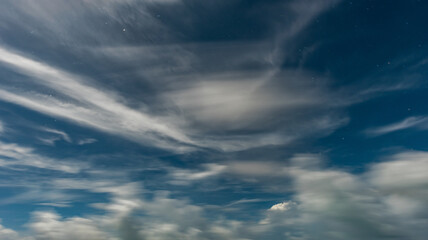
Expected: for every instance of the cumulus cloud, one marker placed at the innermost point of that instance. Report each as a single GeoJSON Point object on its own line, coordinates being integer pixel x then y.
{"type": "Point", "coordinates": [322, 203]}
{"type": "Point", "coordinates": [132, 69]}
{"type": "Point", "coordinates": [8, 234]}
{"type": "Point", "coordinates": [50, 226]}
{"type": "Point", "coordinates": [336, 204]}
{"type": "Point", "coordinates": [284, 206]}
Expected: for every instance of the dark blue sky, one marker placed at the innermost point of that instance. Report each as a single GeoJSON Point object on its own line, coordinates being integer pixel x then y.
{"type": "Point", "coordinates": [206, 120]}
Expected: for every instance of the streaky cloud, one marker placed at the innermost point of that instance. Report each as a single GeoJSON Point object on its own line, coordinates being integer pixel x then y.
{"type": "Point", "coordinates": [420, 122]}
{"type": "Point", "coordinates": [92, 107]}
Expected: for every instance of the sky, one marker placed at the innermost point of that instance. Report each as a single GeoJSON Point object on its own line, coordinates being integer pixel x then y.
{"type": "Point", "coordinates": [209, 120]}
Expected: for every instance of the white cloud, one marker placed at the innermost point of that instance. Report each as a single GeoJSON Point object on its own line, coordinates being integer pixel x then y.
{"type": "Point", "coordinates": [249, 171]}
{"type": "Point", "coordinates": [57, 136]}
{"type": "Point", "coordinates": [205, 101]}
{"type": "Point", "coordinates": [58, 204]}
{"type": "Point", "coordinates": [8, 234]}
{"type": "Point", "coordinates": [284, 206]}
{"type": "Point", "coordinates": [50, 21]}
{"type": "Point", "coordinates": [236, 100]}
{"type": "Point", "coordinates": [36, 194]}
{"type": "Point", "coordinates": [386, 202]}
{"type": "Point", "coordinates": [62, 134]}
{"type": "Point", "coordinates": [323, 203]}
{"type": "Point", "coordinates": [404, 172]}
{"type": "Point", "coordinates": [13, 155]}
{"type": "Point", "coordinates": [256, 168]}
{"type": "Point", "coordinates": [86, 141]}
{"type": "Point", "coordinates": [90, 106]}
{"type": "Point", "coordinates": [50, 226]}
{"type": "Point", "coordinates": [410, 122]}
{"type": "Point", "coordinates": [211, 104]}
{"type": "Point", "coordinates": [184, 176]}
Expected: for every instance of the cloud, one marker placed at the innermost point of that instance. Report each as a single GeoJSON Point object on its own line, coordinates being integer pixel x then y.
{"type": "Point", "coordinates": [152, 72]}
{"type": "Point", "coordinates": [50, 226]}
{"type": "Point", "coordinates": [37, 195]}
{"type": "Point", "coordinates": [62, 134]}
{"type": "Point", "coordinates": [256, 168]}
{"type": "Point", "coordinates": [186, 94]}
{"type": "Point", "coordinates": [410, 165]}
{"type": "Point", "coordinates": [230, 172]}
{"type": "Point", "coordinates": [335, 204]}
{"type": "Point", "coordinates": [59, 204]}
{"type": "Point", "coordinates": [65, 23]}
{"type": "Point", "coordinates": [8, 234]}
{"type": "Point", "coordinates": [284, 206]}
{"type": "Point", "coordinates": [410, 122]}
{"type": "Point", "coordinates": [86, 141]}
{"type": "Point", "coordinates": [105, 111]}
{"type": "Point", "coordinates": [58, 136]}
{"type": "Point", "coordinates": [184, 176]}
{"type": "Point", "coordinates": [88, 106]}
{"type": "Point", "coordinates": [197, 99]}
{"type": "Point", "coordinates": [265, 172]}
{"type": "Point", "coordinates": [237, 101]}
{"type": "Point", "coordinates": [321, 203]}
{"type": "Point", "coordinates": [14, 156]}
{"type": "Point", "coordinates": [91, 107]}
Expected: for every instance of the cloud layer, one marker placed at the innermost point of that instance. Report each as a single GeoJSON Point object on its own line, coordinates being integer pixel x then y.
{"type": "Point", "coordinates": [201, 120]}
{"type": "Point", "coordinates": [323, 203]}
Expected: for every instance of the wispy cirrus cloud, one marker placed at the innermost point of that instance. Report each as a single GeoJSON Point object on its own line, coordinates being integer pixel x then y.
{"type": "Point", "coordinates": [91, 107]}
{"type": "Point", "coordinates": [86, 141]}
{"type": "Point", "coordinates": [16, 156]}
{"type": "Point", "coordinates": [214, 84]}
{"type": "Point", "coordinates": [62, 134]}
{"type": "Point", "coordinates": [58, 136]}
{"type": "Point", "coordinates": [79, 100]}
{"type": "Point", "coordinates": [419, 122]}
{"type": "Point", "coordinates": [213, 105]}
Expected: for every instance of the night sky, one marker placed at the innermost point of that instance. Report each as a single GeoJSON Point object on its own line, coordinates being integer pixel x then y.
{"type": "Point", "coordinates": [213, 120]}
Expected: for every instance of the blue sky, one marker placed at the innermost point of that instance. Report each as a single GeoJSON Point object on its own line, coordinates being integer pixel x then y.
{"type": "Point", "coordinates": [206, 120]}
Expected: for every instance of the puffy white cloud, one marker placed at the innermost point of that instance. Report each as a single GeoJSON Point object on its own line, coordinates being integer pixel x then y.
{"type": "Point", "coordinates": [388, 201]}
{"type": "Point", "coordinates": [404, 172]}
{"type": "Point", "coordinates": [50, 226]}
{"type": "Point", "coordinates": [284, 206]}
{"type": "Point", "coordinates": [8, 234]}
